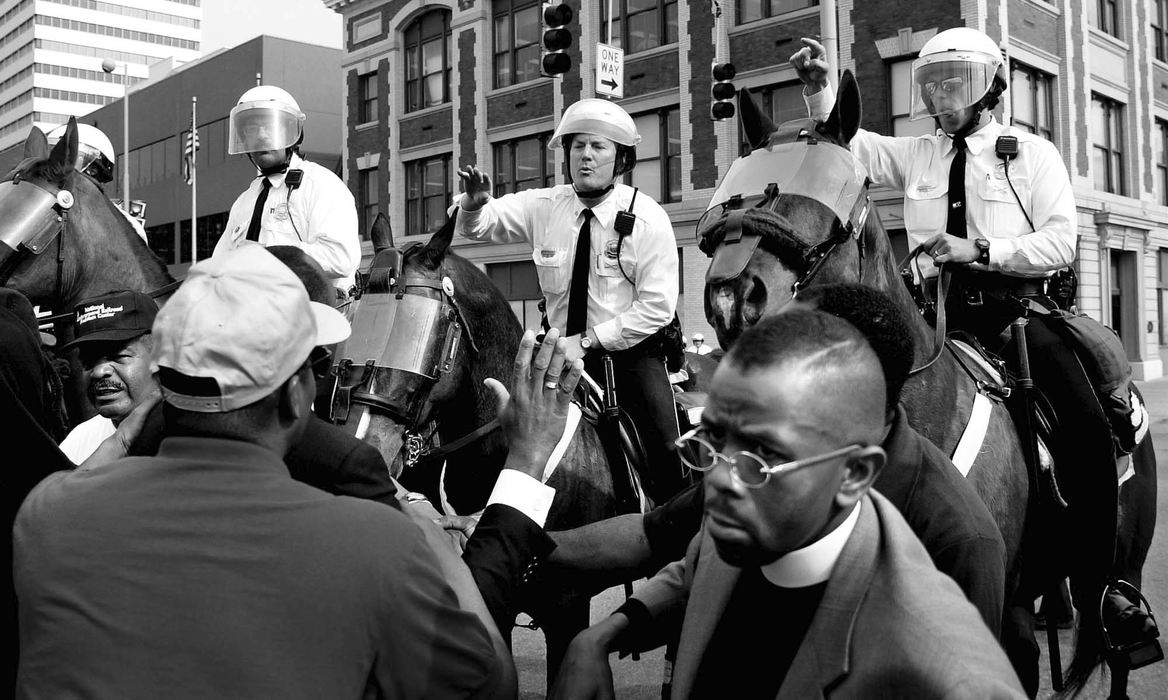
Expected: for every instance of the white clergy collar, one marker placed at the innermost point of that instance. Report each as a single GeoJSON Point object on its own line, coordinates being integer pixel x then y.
{"type": "Point", "coordinates": [814, 563]}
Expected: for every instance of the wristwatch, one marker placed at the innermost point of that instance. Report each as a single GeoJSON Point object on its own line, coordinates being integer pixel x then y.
{"type": "Point", "coordinates": [586, 342]}
{"type": "Point", "coordinates": [983, 247]}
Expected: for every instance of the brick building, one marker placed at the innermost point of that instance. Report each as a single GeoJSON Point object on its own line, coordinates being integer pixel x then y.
{"type": "Point", "coordinates": [434, 86]}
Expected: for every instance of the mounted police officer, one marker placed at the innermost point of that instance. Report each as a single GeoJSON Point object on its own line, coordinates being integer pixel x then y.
{"type": "Point", "coordinates": [996, 203]}
{"type": "Point", "coordinates": [607, 263]}
{"type": "Point", "coordinates": [293, 202]}
{"type": "Point", "coordinates": [95, 158]}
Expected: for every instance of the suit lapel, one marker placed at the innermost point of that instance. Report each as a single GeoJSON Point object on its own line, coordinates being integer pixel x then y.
{"type": "Point", "coordinates": [713, 582]}
{"type": "Point", "coordinates": [824, 655]}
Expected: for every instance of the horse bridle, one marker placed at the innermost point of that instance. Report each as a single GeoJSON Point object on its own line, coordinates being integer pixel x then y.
{"type": "Point", "coordinates": [823, 172]}
{"type": "Point", "coordinates": [36, 214]}
{"type": "Point", "coordinates": [407, 332]}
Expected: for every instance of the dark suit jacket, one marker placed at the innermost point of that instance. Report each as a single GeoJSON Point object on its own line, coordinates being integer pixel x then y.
{"type": "Point", "coordinates": [499, 555]}
{"type": "Point", "coordinates": [889, 624]}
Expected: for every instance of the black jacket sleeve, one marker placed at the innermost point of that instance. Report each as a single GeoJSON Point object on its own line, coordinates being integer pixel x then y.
{"type": "Point", "coordinates": [503, 550]}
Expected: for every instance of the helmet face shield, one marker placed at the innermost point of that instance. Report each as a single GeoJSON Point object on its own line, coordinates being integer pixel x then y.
{"type": "Point", "coordinates": [263, 126]}
{"type": "Point", "coordinates": [94, 163]}
{"type": "Point", "coordinates": [949, 82]}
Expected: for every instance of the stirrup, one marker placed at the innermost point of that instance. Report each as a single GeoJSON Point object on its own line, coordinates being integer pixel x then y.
{"type": "Point", "coordinates": [1140, 647]}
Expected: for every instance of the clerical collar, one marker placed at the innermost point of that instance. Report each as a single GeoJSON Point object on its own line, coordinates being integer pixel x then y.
{"type": "Point", "coordinates": [814, 563]}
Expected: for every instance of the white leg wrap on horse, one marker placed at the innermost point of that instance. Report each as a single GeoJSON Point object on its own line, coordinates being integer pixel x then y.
{"type": "Point", "coordinates": [975, 431]}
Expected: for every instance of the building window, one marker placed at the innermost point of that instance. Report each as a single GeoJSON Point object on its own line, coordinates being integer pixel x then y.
{"type": "Point", "coordinates": [366, 28]}
{"type": "Point", "coordinates": [427, 42]}
{"type": "Point", "coordinates": [518, 30]}
{"type": "Point", "coordinates": [658, 171]}
{"type": "Point", "coordinates": [640, 25]}
{"type": "Point", "coordinates": [1161, 146]}
{"type": "Point", "coordinates": [522, 164]}
{"type": "Point", "coordinates": [1107, 136]}
{"type": "Point", "coordinates": [1030, 95]}
{"type": "Point", "coordinates": [1162, 295]}
{"type": "Point", "coordinates": [370, 198]}
{"type": "Point", "coordinates": [520, 285]}
{"type": "Point", "coordinates": [367, 110]}
{"type": "Point", "coordinates": [900, 101]}
{"type": "Point", "coordinates": [1104, 16]}
{"type": "Point", "coordinates": [781, 103]}
{"type": "Point", "coordinates": [1160, 30]}
{"type": "Point", "coordinates": [751, 10]}
{"type": "Point", "coordinates": [427, 193]}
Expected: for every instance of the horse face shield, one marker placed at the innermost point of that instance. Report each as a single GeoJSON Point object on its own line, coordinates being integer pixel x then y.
{"type": "Point", "coordinates": [808, 167]}
{"type": "Point", "coordinates": [33, 217]}
{"type": "Point", "coordinates": [400, 345]}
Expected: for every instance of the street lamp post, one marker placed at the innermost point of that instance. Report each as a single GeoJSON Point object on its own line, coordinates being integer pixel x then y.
{"type": "Point", "coordinates": [109, 65]}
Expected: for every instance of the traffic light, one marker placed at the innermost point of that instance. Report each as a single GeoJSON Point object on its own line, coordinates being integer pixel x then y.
{"type": "Point", "coordinates": [722, 91]}
{"type": "Point", "coordinates": [556, 39]}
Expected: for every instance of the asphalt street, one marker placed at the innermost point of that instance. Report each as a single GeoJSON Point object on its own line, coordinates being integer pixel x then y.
{"type": "Point", "coordinates": [641, 680]}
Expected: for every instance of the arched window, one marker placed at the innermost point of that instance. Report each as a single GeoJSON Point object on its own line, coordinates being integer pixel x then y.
{"type": "Point", "coordinates": [427, 44]}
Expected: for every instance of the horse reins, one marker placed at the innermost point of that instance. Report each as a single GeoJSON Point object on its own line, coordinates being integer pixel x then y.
{"type": "Point", "coordinates": [944, 277]}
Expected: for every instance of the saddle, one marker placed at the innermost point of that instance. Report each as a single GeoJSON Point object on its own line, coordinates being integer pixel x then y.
{"type": "Point", "coordinates": [621, 441]}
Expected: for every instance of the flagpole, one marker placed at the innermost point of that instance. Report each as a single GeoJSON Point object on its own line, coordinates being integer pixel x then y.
{"type": "Point", "coordinates": [194, 185]}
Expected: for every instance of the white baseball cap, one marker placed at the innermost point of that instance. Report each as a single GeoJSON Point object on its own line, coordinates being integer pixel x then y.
{"type": "Point", "coordinates": [239, 326]}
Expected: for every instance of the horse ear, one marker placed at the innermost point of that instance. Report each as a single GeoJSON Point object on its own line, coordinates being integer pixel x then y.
{"type": "Point", "coordinates": [64, 154]}
{"type": "Point", "coordinates": [844, 120]}
{"type": "Point", "coordinates": [36, 145]}
{"type": "Point", "coordinates": [434, 252]}
{"type": "Point", "coordinates": [381, 233]}
{"type": "Point", "coordinates": [755, 125]}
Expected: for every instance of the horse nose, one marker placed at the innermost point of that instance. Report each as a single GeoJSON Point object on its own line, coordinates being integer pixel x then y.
{"type": "Point", "coordinates": [733, 306]}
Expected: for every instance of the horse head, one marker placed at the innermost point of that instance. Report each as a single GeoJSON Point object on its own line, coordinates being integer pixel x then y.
{"type": "Point", "coordinates": [784, 216]}
{"type": "Point", "coordinates": [428, 328]}
{"type": "Point", "coordinates": [61, 238]}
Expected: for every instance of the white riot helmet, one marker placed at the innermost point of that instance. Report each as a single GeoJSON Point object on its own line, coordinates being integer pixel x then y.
{"type": "Point", "coordinates": [266, 118]}
{"type": "Point", "coordinates": [95, 153]}
{"type": "Point", "coordinates": [956, 68]}
{"type": "Point", "coordinates": [602, 118]}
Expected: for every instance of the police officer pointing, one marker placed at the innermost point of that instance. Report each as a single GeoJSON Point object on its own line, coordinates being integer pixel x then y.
{"type": "Point", "coordinates": [607, 263]}
{"type": "Point", "coordinates": [293, 202]}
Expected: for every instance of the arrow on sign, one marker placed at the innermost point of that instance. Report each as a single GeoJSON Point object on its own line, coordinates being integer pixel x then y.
{"type": "Point", "coordinates": [610, 83]}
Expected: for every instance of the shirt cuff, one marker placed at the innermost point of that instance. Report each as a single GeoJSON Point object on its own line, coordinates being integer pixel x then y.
{"type": "Point", "coordinates": [609, 335]}
{"type": "Point", "coordinates": [819, 105]}
{"type": "Point", "coordinates": [524, 494]}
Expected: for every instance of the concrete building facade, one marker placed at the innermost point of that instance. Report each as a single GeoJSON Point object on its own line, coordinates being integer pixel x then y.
{"type": "Point", "coordinates": [435, 85]}
{"type": "Point", "coordinates": [51, 54]}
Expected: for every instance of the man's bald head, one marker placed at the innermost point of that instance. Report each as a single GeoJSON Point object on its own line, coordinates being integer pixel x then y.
{"type": "Point", "coordinates": [828, 360]}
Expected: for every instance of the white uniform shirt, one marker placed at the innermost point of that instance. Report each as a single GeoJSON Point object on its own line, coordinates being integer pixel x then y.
{"type": "Point", "coordinates": [621, 313]}
{"type": "Point", "coordinates": [82, 440]}
{"type": "Point", "coordinates": [919, 167]}
{"type": "Point", "coordinates": [319, 217]}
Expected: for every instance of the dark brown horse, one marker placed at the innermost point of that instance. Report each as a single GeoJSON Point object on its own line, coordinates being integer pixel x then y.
{"type": "Point", "coordinates": [815, 246]}
{"type": "Point", "coordinates": [89, 248]}
{"type": "Point", "coordinates": [439, 327]}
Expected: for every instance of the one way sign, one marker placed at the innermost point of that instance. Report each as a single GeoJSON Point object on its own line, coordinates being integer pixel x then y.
{"type": "Point", "coordinates": [610, 71]}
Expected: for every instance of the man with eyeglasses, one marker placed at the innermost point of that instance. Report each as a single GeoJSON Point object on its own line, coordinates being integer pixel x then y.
{"type": "Point", "coordinates": [939, 504]}
{"type": "Point", "coordinates": [802, 580]}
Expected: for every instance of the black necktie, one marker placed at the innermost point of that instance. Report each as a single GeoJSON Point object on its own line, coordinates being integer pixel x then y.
{"type": "Point", "coordinates": [253, 229]}
{"type": "Point", "coordinates": [578, 293]}
{"type": "Point", "coordinates": [956, 223]}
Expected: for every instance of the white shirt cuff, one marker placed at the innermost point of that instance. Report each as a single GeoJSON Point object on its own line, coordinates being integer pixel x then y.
{"type": "Point", "coordinates": [524, 494]}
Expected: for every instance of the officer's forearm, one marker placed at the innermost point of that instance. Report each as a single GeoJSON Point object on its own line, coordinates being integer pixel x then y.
{"type": "Point", "coordinates": [615, 544]}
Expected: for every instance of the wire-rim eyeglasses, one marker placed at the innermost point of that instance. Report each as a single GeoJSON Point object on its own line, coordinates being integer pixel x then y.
{"type": "Point", "coordinates": [747, 468]}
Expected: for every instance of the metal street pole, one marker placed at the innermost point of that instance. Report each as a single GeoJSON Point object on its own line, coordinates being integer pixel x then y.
{"type": "Point", "coordinates": [829, 30]}
{"type": "Point", "coordinates": [109, 66]}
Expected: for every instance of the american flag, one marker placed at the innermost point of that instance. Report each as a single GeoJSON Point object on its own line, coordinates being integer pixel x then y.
{"type": "Point", "coordinates": [189, 151]}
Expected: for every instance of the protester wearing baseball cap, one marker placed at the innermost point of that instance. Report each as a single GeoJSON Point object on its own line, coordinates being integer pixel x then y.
{"type": "Point", "coordinates": [112, 333]}
{"type": "Point", "coordinates": [208, 570]}
{"type": "Point", "coordinates": [238, 328]}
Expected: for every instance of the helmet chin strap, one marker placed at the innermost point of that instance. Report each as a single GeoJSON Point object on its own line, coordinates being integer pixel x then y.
{"type": "Point", "coordinates": [593, 194]}
{"type": "Point", "coordinates": [275, 169]}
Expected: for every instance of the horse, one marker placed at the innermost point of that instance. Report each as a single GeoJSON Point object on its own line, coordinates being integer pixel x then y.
{"type": "Point", "coordinates": [62, 241]}
{"type": "Point", "coordinates": [822, 244]}
{"type": "Point", "coordinates": [439, 327]}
